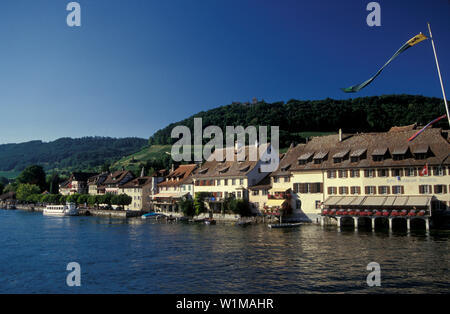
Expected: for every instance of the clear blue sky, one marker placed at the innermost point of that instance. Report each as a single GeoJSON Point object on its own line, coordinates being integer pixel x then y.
{"type": "Point", "coordinates": [134, 66]}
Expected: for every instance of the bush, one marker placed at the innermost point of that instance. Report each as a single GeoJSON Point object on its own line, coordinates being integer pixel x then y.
{"type": "Point", "coordinates": [187, 207]}
{"type": "Point", "coordinates": [239, 207]}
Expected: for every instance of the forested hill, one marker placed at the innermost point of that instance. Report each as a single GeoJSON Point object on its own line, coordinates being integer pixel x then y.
{"type": "Point", "coordinates": [366, 114]}
{"type": "Point", "coordinates": [67, 153]}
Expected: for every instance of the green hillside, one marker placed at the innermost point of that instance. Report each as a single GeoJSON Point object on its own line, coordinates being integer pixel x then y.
{"type": "Point", "coordinates": [66, 154]}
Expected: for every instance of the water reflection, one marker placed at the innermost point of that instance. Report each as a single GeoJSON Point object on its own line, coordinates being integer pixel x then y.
{"type": "Point", "coordinates": [135, 255]}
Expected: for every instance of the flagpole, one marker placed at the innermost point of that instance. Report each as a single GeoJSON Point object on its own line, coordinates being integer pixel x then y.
{"type": "Point", "coordinates": [439, 73]}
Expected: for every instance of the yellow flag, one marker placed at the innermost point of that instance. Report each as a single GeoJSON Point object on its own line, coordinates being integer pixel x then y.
{"type": "Point", "coordinates": [416, 39]}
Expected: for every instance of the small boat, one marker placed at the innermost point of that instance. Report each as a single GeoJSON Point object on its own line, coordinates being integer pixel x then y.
{"type": "Point", "coordinates": [152, 215]}
{"type": "Point", "coordinates": [70, 209]}
{"type": "Point", "coordinates": [285, 225]}
{"type": "Point", "coordinates": [210, 221]}
{"type": "Point", "coordinates": [243, 223]}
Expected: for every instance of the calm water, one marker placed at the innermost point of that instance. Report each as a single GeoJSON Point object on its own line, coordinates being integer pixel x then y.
{"type": "Point", "coordinates": [135, 256]}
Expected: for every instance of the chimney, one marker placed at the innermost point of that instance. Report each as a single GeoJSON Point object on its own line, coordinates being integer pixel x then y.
{"type": "Point", "coordinates": [340, 135]}
{"type": "Point", "coordinates": [172, 168]}
{"type": "Point", "coordinates": [142, 172]}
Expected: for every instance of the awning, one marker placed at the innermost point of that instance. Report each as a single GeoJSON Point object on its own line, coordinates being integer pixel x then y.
{"type": "Point", "coordinates": [169, 195]}
{"type": "Point", "coordinates": [279, 190]}
{"type": "Point", "coordinates": [275, 203]}
{"type": "Point", "coordinates": [379, 201]}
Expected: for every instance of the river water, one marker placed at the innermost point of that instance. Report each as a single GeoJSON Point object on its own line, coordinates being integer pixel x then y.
{"type": "Point", "coordinates": [138, 256]}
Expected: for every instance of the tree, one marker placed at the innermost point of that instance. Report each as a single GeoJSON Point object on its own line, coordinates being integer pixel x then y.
{"type": "Point", "coordinates": [187, 207]}
{"type": "Point", "coordinates": [33, 175]}
{"type": "Point", "coordinates": [199, 203]}
{"type": "Point", "coordinates": [239, 207]}
{"type": "Point", "coordinates": [54, 184]}
{"type": "Point", "coordinates": [2, 187]}
{"type": "Point", "coordinates": [106, 199]}
{"type": "Point", "coordinates": [72, 198]}
{"type": "Point", "coordinates": [62, 199]}
{"type": "Point", "coordinates": [24, 191]}
{"type": "Point", "coordinates": [121, 200]}
{"type": "Point", "coordinates": [82, 198]}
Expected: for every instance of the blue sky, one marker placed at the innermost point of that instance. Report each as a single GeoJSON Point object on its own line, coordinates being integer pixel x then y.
{"type": "Point", "coordinates": [135, 66]}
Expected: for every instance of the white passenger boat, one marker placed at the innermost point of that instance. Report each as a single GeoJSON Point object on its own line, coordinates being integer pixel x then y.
{"type": "Point", "coordinates": [69, 209]}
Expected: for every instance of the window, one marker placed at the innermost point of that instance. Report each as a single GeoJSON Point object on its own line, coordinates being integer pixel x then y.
{"type": "Point", "coordinates": [331, 174]}
{"type": "Point", "coordinates": [337, 160]}
{"type": "Point", "coordinates": [265, 192]}
{"type": "Point", "coordinates": [398, 157]}
{"type": "Point", "coordinates": [255, 192]}
{"type": "Point", "coordinates": [378, 158]}
{"type": "Point", "coordinates": [218, 182]}
{"type": "Point", "coordinates": [342, 173]}
{"type": "Point", "coordinates": [424, 189]}
{"type": "Point", "coordinates": [383, 172]}
{"type": "Point", "coordinates": [275, 179]}
{"type": "Point", "coordinates": [397, 189]}
{"type": "Point", "coordinates": [383, 189]}
{"type": "Point", "coordinates": [438, 171]}
{"type": "Point", "coordinates": [343, 190]}
{"type": "Point", "coordinates": [355, 190]}
{"type": "Point", "coordinates": [241, 181]}
{"type": "Point", "coordinates": [233, 182]}
{"type": "Point", "coordinates": [239, 194]}
{"type": "Point", "coordinates": [332, 190]}
{"type": "Point", "coordinates": [287, 179]}
{"type": "Point", "coordinates": [369, 173]}
{"type": "Point", "coordinates": [410, 172]}
{"type": "Point", "coordinates": [440, 189]}
{"type": "Point", "coordinates": [225, 182]}
{"type": "Point", "coordinates": [370, 190]}
{"type": "Point", "coordinates": [397, 172]}
{"type": "Point", "coordinates": [318, 203]}
{"type": "Point", "coordinates": [354, 173]}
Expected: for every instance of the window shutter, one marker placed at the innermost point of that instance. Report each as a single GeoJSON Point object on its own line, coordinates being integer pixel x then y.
{"type": "Point", "coordinates": [329, 174]}
{"type": "Point", "coordinates": [445, 188]}
{"type": "Point", "coordinates": [401, 172]}
{"type": "Point", "coordinates": [379, 190]}
{"type": "Point", "coordinates": [421, 191]}
{"type": "Point", "coordinates": [320, 187]}
{"type": "Point", "coordinates": [366, 189]}
{"type": "Point", "coordinates": [415, 172]}
{"type": "Point", "coordinates": [379, 172]}
{"type": "Point", "coordinates": [388, 190]}
{"type": "Point", "coordinates": [366, 173]}
{"type": "Point", "coordinates": [358, 189]}
{"type": "Point", "coordinates": [435, 188]}
{"type": "Point", "coordinates": [402, 189]}
{"type": "Point", "coordinates": [357, 173]}
{"type": "Point", "coordinates": [329, 190]}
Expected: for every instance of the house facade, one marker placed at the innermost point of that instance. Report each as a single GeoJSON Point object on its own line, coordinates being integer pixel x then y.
{"type": "Point", "coordinates": [115, 180]}
{"type": "Point", "coordinates": [229, 178]}
{"type": "Point", "coordinates": [176, 185]}
{"type": "Point", "coordinates": [76, 184]}
{"type": "Point", "coordinates": [137, 189]}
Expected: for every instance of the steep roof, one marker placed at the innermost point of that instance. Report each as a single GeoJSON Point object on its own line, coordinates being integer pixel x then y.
{"type": "Point", "coordinates": [81, 176]}
{"type": "Point", "coordinates": [290, 159]}
{"type": "Point", "coordinates": [116, 177]}
{"type": "Point", "coordinates": [97, 179]}
{"type": "Point", "coordinates": [434, 141]}
{"type": "Point", "coordinates": [219, 169]}
{"type": "Point", "coordinates": [138, 182]}
{"type": "Point", "coordinates": [179, 176]}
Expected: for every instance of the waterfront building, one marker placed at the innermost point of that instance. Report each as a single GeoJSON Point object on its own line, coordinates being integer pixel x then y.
{"type": "Point", "coordinates": [382, 171]}
{"type": "Point", "coordinates": [76, 184]}
{"type": "Point", "coordinates": [229, 179]}
{"type": "Point", "coordinates": [137, 189]}
{"type": "Point", "coordinates": [116, 179]}
{"type": "Point", "coordinates": [259, 195]}
{"type": "Point", "coordinates": [176, 185]}
{"type": "Point", "coordinates": [96, 184]}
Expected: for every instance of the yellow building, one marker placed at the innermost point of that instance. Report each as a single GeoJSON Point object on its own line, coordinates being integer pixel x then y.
{"type": "Point", "coordinates": [225, 179]}
{"type": "Point", "coordinates": [176, 185]}
{"type": "Point", "coordinates": [137, 189]}
{"type": "Point", "coordinates": [352, 169]}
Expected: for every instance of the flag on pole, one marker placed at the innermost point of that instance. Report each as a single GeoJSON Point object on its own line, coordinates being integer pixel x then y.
{"type": "Point", "coordinates": [412, 42]}
{"type": "Point", "coordinates": [424, 171]}
{"type": "Point", "coordinates": [423, 129]}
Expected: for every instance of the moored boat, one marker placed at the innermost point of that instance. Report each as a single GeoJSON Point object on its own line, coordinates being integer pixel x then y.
{"type": "Point", "coordinates": [285, 225]}
{"type": "Point", "coordinates": [70, 209]}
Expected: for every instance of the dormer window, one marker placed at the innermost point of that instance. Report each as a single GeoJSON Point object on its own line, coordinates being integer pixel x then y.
{"type": "Point", "coordinates": [320, 157]}
{"type": "Point", "coordinates": [340, 156]}
{"type": "Point", "coordinates": [379, 154]}
{"type": "Point", "coordinates": [421, 152]}
{"type": "Point", "coordinates": [305, 158]}
{"type": "Point", "coordinates": [358, 155]}
{"type": "Point", "coordinates": [400, 153]}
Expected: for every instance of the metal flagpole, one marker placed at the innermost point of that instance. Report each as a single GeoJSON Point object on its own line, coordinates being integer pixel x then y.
{"type": "Point", "coordinates": [439, 72]}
